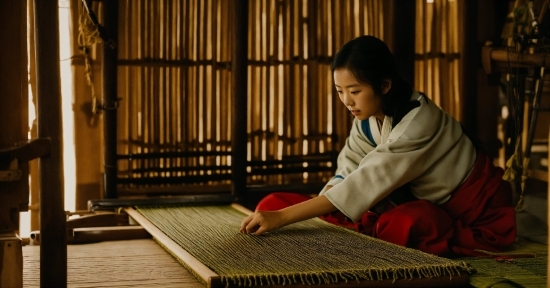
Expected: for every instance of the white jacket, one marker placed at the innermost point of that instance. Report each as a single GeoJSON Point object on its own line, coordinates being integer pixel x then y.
{"type": "Point", "coordinates": [427, 150]}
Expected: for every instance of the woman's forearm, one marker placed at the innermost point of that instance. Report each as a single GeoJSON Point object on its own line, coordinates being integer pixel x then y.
{"type": "Point", "coordinates": [265, 221]}
{"type": "Point", "coordinates": [308, 209]}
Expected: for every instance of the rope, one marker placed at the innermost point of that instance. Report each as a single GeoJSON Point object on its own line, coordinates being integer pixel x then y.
{"type": "Point", "coordinates": [514, 165]}
{"type": "Point", "coordinates": [308, 252]}
{"type": "Point", "coordinates": [88, 35]}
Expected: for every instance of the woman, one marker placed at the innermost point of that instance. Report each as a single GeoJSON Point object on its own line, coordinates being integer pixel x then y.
{"type": "Point", "coordinates": [408, 173]}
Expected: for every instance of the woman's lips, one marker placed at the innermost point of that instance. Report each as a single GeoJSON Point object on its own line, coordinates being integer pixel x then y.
{"type": "Point", "coordinates": [354, 112]}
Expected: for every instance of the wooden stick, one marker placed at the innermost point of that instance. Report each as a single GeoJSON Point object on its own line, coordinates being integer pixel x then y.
{"type": "Point", "coordinates": [208, 276]}
{"type": "Point", "coordinates": [241, 208]}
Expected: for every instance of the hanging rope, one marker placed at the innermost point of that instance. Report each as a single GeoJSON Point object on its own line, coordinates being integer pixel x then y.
{"type": "Point", "coordinates": [88, 35]}
{"type": "Point", "coordinates": [514, 165]}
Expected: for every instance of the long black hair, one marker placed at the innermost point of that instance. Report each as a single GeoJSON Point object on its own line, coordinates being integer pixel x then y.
{"type": "Point", "coordinates": [371, 62]}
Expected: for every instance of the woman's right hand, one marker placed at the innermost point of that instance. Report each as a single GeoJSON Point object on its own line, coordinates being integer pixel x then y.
{"type": "Point", "coordinates": [262, 221]}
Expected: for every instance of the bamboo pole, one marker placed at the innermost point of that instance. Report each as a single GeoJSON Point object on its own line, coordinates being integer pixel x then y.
{"type": "Point", "coordinates": [53, 251]}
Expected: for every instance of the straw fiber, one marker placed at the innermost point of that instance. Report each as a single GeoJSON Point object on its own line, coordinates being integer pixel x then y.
{"type": "Point", "coordinates": [309, 252]}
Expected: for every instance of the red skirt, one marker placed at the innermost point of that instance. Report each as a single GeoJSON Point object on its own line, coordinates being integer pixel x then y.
{"type": "Point", "coordinates": [479, 216]}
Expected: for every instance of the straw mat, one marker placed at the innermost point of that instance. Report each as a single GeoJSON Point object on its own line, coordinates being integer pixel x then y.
{"type": "Point", "coordinates": [308, 252]}
{"type": "Point", "coordinates": [525, 265]}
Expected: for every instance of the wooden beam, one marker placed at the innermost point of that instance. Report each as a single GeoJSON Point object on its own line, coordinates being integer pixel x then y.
{"type": "Point", "coordinates": [53, 251]}
{"type": "Point", "coordinates": [200, 270]}
{"type": "Point", "coordinates": [239, 89]}
{"type": "Point", "coordinates": [110, 99]}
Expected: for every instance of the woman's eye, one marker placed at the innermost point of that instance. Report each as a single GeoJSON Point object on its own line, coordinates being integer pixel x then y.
{"type": "Point", "coordinates": [355, 92]}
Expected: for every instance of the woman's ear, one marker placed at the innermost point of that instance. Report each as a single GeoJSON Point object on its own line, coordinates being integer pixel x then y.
{"type": "Point", "coordinates": [386, 86]}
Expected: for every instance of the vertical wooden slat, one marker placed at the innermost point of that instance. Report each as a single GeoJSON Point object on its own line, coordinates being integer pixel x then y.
{"type": "Point", "coordinates": [267, 84]}
{"type": "Point", "coordinates": [214, 86]}
{"type": "Point", "coordinates": [53, 252]}
{"type": "Point", "coordinates": [252, 105]}
{"type": "Point", "coordinates": [141, 83]}
{"type": "Point", "coordinates": [437, 67]}
{"type": "Point", "coordinates": [129, 105]}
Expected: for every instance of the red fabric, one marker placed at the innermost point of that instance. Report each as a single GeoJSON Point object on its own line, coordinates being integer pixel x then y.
{"type": "Point", "coordinates": [482, 211]}
{"type": "Point", "coordinates": [479, 215]}
{"type": "Point", "coordinates": [279, 200]}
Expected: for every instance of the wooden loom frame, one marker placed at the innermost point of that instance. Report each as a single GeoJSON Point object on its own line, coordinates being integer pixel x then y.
{"type": "Point", "coordinates": [213, 280]}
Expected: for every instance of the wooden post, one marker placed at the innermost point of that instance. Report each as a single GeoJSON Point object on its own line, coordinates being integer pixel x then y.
{"type": "Point", "coordinates": [239, 91]}
{"type": "Point", "coordinates": [470, 62]}
{"type": "Point", "coordinates": [11, 262]}
{"type": "Point", "coordinates": [110, 101]}
{"type": "Point", "coordinates": [399, 34]}
{"type": "Point", "coordinates": [53, 249]}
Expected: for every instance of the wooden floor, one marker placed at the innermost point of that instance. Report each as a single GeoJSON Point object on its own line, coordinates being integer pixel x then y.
{"type": "Point", "coordinates": [144, 263]}
{"type": "Point", "coordinates": [131, 263]}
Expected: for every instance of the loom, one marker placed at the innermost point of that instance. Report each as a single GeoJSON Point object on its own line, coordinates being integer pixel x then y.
{"type": "Point", "coordinates": [204, 237]}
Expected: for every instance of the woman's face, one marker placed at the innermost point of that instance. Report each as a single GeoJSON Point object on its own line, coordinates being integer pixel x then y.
{"type": "Point", "coordinates": [359, 98]}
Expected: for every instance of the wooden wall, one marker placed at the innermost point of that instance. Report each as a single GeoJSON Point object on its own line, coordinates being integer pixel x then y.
{"type": "Point", "coordinates": [174, 77]}
{"type": "Point", "coordinates": [174, 84]}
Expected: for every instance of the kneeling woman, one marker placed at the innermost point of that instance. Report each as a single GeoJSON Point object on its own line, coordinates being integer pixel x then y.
{"type": "Point", "coordinates": [408, 173]}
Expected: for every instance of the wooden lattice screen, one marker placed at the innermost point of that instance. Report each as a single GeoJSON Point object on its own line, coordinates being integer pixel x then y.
{"type": "Point", "coordinates": [438, 52]}
{"type": "Point", "coordinates": [174, 81]}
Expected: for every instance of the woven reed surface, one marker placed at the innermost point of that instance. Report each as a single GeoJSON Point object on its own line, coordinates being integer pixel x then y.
{"type": "Point", "coordinates": [309, 252]}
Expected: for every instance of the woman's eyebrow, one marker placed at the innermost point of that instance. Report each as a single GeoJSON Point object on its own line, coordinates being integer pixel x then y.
{"type": "Point", "coordinates": [349, 86]}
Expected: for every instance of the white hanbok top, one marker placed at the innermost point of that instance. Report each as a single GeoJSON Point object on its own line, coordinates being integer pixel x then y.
{"type": "Point", "coordinates": [427, 149]}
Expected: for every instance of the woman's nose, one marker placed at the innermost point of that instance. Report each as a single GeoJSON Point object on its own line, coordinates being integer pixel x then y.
{"type": "Point", "coordinates": [346, 99]}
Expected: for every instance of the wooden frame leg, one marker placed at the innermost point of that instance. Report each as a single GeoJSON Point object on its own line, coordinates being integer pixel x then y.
{"type": "Point", "coordinates": [11, 261]}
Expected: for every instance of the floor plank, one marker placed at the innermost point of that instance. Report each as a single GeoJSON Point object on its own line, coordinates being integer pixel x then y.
{"type": "Point", "coordinates": [130, 263]}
